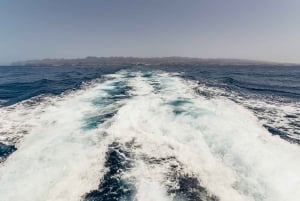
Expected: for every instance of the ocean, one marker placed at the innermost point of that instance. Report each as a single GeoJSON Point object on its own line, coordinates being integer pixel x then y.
{"type": "Point", "coordinates": [143, 133]}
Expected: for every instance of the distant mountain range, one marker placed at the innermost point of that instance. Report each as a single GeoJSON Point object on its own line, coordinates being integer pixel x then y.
{"type": "Point", "coordinates": [157, 61]}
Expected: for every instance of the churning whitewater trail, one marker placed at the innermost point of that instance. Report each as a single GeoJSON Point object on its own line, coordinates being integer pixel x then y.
{"type": "Point", "coordinates": [142, 136]}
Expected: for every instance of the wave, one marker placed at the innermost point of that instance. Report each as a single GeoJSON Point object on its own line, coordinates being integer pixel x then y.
{"type": "Point", "coordinates": [145, 136]}
{"type": "Point", "coordinates": [277, 89]}
{"type": "Point", "coordinates": [280, 115]}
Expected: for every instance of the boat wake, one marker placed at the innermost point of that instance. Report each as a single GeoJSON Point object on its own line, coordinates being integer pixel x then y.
{"type": "Point", "coordinates": [142, 136]}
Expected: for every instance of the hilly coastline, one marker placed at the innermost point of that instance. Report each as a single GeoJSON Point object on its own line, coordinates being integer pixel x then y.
{"type": "Point", "coordinates": [157, 61]}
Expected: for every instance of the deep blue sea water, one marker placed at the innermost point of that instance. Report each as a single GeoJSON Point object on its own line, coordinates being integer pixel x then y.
{"type": "Point", "coordinates": [20, 83]}
{"type": "Point", "coordinates": [156, 133]}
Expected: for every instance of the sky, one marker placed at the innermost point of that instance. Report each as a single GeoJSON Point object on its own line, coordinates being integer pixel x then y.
{"type": "Point", "coordinates": [247, 29]}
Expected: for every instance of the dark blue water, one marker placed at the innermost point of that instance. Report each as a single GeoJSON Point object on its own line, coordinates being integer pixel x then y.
{"type": "Point", "coordinates": [267, 80]}
{"type": "Point", "coordinates": [21, 83]}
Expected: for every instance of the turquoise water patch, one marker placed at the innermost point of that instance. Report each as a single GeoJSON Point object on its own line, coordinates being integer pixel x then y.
{"type": "Point", "coordinates": [107, 104]}
{"type": "Point", "coordinates": [178, 111]}
{"type": "Point", "coordinates": [178, 103]}
{"type": "Point", "coordinates": [119, 89]}
{"type": "Point", "coordinates": [94, 121]}
{"type": "Point", "coordinates": [147, 75]}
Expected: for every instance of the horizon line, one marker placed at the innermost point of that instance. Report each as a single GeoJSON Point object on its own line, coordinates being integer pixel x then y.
{"type": "Point", "coordinates": [158, 57]}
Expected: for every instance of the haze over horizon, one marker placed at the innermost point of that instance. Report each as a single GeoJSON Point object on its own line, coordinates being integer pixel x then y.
{"type": "Point", "coordinates": [264, 30]}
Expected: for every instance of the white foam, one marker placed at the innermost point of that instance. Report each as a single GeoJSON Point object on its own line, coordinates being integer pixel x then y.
{"type": "Point", "coordinates": [216, 140]}
{"type": "Point", "coordinates": [58, 160]}
{"type": "Point", "coordinates": [149, 183]}
{"type": "Point", "coordinates": [271, 111]}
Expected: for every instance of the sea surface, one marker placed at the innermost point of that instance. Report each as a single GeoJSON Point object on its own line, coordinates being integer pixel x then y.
{"type": "Point", "coordinates": [150, 133]}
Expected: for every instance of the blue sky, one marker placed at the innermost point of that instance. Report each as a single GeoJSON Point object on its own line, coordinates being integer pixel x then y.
{"type": "Point", "coordinates": [250, 29]}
